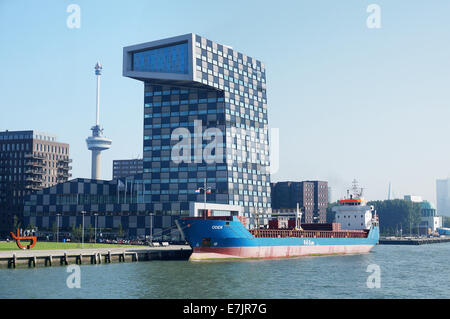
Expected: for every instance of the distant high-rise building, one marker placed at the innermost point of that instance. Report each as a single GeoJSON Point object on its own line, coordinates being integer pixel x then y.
{"type": "Point", "coordinates": [443, 197]}
{"type": "Point", "coordinates": [126, 168]}
{"type": "Point", "coordinates": [29, 161]}
{"type": "Point", "coordinates": [312, 197]}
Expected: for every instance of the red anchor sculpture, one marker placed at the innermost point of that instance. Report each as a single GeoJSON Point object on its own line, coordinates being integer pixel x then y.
{"type": "Point", "coordinates": [18, 238]}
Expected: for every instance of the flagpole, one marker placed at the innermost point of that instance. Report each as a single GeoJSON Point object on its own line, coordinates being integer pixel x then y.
{"type": "Point", "coordinates": [131, 192]}
{"type": "Point", "coordinates": [125, 196]}
{"type": "Point", "coordinates": [204, 192]}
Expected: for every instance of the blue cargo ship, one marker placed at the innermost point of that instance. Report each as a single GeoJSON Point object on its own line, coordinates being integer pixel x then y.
{"type": "Point", "coordinates": [228, 238]}
{"type": "Point", "coordinates": [355, 231]}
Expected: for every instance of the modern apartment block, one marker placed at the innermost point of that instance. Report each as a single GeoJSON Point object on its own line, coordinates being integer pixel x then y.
{"type": "Point", "coordinates": [126, 168]}
{"type": "Point", "coordinates": [29, 161]}
{"type": "Point", "coordinates": [199, 94]}
{"type": "Point", "coordinates": [311, 196]}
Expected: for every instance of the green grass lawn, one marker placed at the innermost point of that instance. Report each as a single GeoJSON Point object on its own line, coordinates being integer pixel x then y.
{"type": "Point", "coordinates": [42, 245]}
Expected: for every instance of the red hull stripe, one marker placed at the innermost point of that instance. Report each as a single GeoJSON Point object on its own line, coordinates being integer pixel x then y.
{"type": "Point", "coordinates": [208, 253]}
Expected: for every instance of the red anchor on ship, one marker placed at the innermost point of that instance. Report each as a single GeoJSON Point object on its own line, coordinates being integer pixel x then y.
{"type": "Point", "coordinates": [18, 238]}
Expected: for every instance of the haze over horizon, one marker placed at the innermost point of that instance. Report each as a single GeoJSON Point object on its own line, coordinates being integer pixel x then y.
{"type": "Point", "coordinates": [350, 102]}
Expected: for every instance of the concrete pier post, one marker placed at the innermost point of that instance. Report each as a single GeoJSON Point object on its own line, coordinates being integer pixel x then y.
{"type": "Point", "coordinates": [48, 260]}
{"type": "Point", "coordinates": [63, 260]}
{"type": "Point", "coordinates": [13, 261]}
{"type": "Point", "coordinates": [32, 261]}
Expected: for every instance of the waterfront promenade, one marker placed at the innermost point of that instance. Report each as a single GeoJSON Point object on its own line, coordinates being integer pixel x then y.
{"type": "Point", "coordinates": [412, 240]}
{"type": "Point", "coordinates": [50, 257]}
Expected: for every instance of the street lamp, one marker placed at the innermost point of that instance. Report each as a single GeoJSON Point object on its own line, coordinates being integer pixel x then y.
{"type": "Point", "coordinates": [95, 227]}
{"type": "Point", "coordinates": [206, 190]}
{"type": "Point", "coordinates": [57, 227]}
{"type": "Point", "coordinates": [151, 227]}
{"type": "Point", "coordinates": [82, 229]}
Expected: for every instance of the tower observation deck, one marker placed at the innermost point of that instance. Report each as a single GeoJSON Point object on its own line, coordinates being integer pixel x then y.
{"type": "Point", "coordinates": [97, 142]}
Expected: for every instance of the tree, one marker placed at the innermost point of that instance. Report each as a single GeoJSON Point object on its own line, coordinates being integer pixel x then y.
{"type": "Point", "coordinates": [54, 229]}
{"type": "Point", "coordinates": [397, 213]}
{"type": "Point", "coordinates": [120, 231]}
{"type": "Point", "coordinates": [16, 222]}
{"type": "Point", "coordinates": [91, 232]}
{"type": "Point", "coordinates": [76, 232]}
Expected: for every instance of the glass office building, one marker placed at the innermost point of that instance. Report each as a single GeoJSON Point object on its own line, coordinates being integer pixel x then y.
{"type": "Point", "coordinates": [205, 117]}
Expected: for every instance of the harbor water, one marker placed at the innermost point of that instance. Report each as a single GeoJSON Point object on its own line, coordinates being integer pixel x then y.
{"type": "Point", "coordinates": [386, 272]}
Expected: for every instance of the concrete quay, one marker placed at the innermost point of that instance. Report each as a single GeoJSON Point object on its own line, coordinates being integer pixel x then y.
{"type": "Point", "coordinates": [52, 257]}
{"type": "Point", "coordinates": [412, 240]}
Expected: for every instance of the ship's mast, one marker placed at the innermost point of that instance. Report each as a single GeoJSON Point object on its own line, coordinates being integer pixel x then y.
{"type": "Point", "coordinates": [357, 192]}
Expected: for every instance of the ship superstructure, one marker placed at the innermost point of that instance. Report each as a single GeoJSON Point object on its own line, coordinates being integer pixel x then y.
{"type": "Point", "coordinates": [352, 212]}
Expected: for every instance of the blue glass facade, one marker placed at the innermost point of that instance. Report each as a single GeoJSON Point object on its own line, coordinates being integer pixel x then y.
{"type": "Point", "coordinates": [228, 94]}
{"type": "Point", "coordinates": [168, 59]}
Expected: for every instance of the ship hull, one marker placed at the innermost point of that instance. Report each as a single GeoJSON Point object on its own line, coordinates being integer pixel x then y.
{"type": "Point", "coordinates": [269, 252]}
{"type": "Point", "coordinates": [216, 239]}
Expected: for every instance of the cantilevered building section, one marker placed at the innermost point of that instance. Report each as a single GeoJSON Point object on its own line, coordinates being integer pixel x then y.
{"type": "Point", "coordinates": [198, 86]}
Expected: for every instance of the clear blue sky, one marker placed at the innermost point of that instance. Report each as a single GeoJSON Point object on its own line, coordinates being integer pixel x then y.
{"type": "Point", "coordinates": [350, 102]}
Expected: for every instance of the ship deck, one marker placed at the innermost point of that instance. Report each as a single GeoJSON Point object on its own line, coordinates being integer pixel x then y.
{"type": "Point", "coordinates": [286, 233]}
